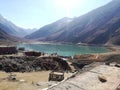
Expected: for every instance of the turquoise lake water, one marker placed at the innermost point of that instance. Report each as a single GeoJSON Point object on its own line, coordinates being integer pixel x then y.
{"type": "Point", "coordinates": [63, 49]}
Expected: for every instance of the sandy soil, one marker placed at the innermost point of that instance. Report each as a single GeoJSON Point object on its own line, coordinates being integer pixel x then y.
{"type": "Point", "coordinates": [32, 81]}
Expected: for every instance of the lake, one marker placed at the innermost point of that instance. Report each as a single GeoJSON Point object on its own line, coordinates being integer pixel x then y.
{"type": "Point", "coordinates": [64, 49]}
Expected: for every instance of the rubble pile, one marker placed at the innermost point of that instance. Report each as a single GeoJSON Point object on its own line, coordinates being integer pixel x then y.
{"type": "Point", "coordinates": [28, 64]}
{"type": "Point", "coordinates": [113, 58]}
{"type": "Point", "coordinates": [80, 61]}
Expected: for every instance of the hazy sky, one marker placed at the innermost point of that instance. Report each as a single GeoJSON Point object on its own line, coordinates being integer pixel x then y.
{"type": "Point", "coordinates": [37, 13]}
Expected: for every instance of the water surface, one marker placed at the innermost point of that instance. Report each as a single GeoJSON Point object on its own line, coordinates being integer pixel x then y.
{"type": "Point", "coordinates": [63, 49]}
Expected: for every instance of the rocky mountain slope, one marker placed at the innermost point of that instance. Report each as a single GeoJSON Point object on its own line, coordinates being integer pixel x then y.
{"type": "Point", "coordinates": [12, 29]}
{"type": "Point", "coordinates": [100, 26]}
{"type": "Point", "coordinates": [50, 29]}
{"type": "Point", "coordinates": [3, 35]}
{"type": "Point", "coordinates": [5, 38]}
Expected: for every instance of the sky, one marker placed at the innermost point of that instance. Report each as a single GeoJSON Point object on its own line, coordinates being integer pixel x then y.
{"type": "Point", "coordinates": [37, 13]}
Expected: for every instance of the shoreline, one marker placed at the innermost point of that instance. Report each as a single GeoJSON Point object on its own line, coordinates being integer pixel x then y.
{"type": "Point", "coordinates": [38, 79]}
{"type": "Point", "coordinates": [111, 48]}
{"type": "Point", "coordinates": [79, 52]}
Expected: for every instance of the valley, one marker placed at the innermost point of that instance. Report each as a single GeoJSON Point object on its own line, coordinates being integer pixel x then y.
{"type": "Point", "coordinates": [79, 53]}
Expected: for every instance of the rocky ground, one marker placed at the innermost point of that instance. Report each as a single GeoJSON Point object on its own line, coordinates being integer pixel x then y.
{"type": "Point", "coordinates": [26, 80]}
{"type": "Point", "coordinates": [102, 77]}
{"type": "Point", "coordinates": [31, 73]}
{"type": "Point", "coordinates": [28, 64]}
{"type": "Point", "coordinates": [36, 70]}
{"type": "Point", "coordinates": [79, 61]}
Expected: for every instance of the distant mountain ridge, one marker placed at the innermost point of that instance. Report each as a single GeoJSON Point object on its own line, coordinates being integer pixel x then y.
{"type": "Point", "coordinates": [12, 29]}
{"type": "Point", "coordinates": [100, 26]}
{"type": "Point", "coordinates": [3, 35]}
{"type": "Point", "coordinates": [5, 38]}
{"type": "Point", "coordinates": [50, 29]}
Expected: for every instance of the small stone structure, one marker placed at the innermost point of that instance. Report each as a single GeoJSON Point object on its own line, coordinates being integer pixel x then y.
{"type": "Point", "coordinates": [32, 53]}
{"type": "Point", "coordinates": [12, 77]}
{"type": "Point", "coordinates": [8, 50]}
{"type": "Point", "coordinates": [89, 80]}
{"type": "Point", "coordinates": [21, 49]}
{"type": "Point", "coordinates": [56, 76]}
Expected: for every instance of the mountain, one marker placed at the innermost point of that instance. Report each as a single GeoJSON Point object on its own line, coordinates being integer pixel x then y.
{"type": "Point", "coordinates": [6, 38]}
{"type": "Point", "coordinates": [30, 31]}
{"type": "Point", "coordinates": [50, 29]}
{"type": "Point", "coordinates": [3, 35]}
{"type": "Point", "coordinates": [100, 26]}
{"type": "Point", "coordinates": [12, 29]}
